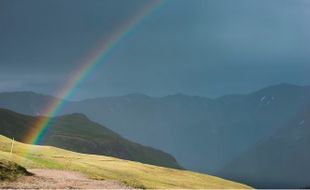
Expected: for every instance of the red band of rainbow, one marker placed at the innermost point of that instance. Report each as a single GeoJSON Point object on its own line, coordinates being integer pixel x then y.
{"type": "Point", "coordinates": [38, 131]}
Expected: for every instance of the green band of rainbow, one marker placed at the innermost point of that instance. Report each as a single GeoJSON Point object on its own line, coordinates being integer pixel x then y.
{"type": "Point", "coordinates": [37, 132]}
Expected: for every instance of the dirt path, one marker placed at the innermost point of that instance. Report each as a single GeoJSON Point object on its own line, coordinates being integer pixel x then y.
{"type": "Point", "coordinates": [57, 179]}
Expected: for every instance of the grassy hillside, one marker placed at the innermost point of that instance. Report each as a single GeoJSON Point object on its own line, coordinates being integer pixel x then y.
{"type": "Point", "coordinates": [103, 167]}
{"type": "Point", "coordinates": [77, 133]}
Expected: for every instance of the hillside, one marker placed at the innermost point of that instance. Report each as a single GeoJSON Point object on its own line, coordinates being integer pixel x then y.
{"type": "Point", "coordinates": [76, 132]}
{"type": "Point", "coordinates": [285, 156]}
{"type": "Point", "coordinates": [220, 129]}
{"type": "Point", "coordinates": [131, 173]}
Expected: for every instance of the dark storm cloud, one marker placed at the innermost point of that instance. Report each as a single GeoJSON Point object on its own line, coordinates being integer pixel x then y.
{"type": "Point", "coordinates": [54, 34]}
{"type": "Point", "coordinates": [196, 47]}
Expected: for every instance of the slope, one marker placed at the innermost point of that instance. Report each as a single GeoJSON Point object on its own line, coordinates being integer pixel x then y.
{"type": "Point", "coordinates": [102, 167]}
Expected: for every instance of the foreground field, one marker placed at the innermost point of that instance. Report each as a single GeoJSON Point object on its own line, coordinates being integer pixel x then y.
{"type": "Point", "coordinates": [59, 179]}
{"type": "Point", "coordinates": [133, 174]}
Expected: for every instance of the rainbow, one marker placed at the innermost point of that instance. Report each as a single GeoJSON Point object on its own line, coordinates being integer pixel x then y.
{"type": "Point", "coordinates": [95, 58]}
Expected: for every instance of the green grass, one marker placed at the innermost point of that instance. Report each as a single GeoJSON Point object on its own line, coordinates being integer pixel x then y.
{"type": "Point", "coordinates": [134, 174]}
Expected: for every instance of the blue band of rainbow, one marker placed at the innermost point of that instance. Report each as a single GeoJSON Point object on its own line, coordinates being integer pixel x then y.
{"type": "Point", "coordinates": [41, 126]}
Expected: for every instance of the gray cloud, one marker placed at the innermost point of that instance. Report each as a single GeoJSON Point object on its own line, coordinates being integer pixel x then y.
{"type": "Point", "coordinates": [201, 47]}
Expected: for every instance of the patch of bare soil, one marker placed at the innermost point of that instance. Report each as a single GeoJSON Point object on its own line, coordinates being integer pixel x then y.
{"type": "Point", "coordinates": [58, 179]}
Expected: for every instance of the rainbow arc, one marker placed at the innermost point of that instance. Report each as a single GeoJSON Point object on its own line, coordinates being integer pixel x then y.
{"type": "Point", "coordinates": [95, 58]}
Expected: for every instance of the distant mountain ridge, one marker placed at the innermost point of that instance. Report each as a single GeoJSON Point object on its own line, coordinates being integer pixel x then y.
{"type": "Point", "coordinates": [25, 102]}
{"type": "Point", "coordinates": [203, 134]}
{"type": "Point", "coordinates": [285, 156]}
{"type": "Point", "coordinates": [77, 133]}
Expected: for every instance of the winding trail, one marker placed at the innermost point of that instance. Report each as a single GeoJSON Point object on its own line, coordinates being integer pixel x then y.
{"type": "Point", "coordinates": [58, 179]}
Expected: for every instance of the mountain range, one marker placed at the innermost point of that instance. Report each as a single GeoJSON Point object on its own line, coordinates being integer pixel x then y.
{"type": "Point", "coordinates": [285, 156]}
{"type": "Point", "coordinates": [205, 135]}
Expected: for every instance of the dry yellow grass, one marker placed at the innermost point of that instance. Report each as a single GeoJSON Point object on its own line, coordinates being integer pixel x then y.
{"type": "Point", "coordinates": [132, 173]}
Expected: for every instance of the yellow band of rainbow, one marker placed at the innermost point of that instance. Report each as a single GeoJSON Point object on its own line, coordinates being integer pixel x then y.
{"type": "Point", "coordinates": [40, 127]}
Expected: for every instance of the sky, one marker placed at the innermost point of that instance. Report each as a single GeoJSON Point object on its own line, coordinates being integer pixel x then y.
{"type": "Point", "coordinates": [196, 47]}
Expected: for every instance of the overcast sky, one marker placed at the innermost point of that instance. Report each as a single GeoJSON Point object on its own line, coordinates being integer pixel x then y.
{"type": "Point", "coordinates": [196, 47]}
